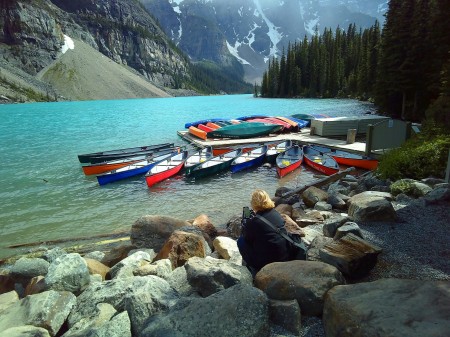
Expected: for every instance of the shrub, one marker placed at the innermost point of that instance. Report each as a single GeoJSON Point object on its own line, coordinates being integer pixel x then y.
{"type": "Point", "coordinates": [420, 157]}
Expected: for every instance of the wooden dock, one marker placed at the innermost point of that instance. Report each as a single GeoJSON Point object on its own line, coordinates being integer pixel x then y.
{"type": "Point", "coordinates": [303, 137]}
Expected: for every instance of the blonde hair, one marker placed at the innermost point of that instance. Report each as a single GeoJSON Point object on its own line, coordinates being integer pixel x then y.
{"type": "Point", "coordinates": [261, 201]}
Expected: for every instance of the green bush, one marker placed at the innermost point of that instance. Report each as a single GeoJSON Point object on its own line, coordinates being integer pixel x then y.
{"type": "Point", "coordinates": [420, 157]}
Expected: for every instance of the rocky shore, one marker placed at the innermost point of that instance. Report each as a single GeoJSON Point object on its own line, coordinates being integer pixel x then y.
{"type": "Point", "coordinates": [378, 265]}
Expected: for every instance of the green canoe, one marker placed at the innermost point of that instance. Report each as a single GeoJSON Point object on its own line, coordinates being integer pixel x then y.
{"type": "Point", "coordinates": [214, 165]}
{"type": "Point", "coordinates": [244, 130]}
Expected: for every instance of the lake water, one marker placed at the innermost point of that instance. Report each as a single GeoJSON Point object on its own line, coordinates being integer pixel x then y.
{"type": "Point", "coordinates": [44, 194]}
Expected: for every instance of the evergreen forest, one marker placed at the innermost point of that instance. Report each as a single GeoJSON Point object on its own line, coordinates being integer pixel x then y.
{"type": "Point", "coordinates": [402, 67]}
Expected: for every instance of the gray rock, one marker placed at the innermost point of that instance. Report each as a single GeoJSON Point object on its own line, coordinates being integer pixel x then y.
{"type": "Point", "coordinates": [8, 299]}
{"type": "Point", "coordinates": [348, 227]}
{"type": "Point", "coordinates": [25, 331]}
{"type": "Point", "coordinates": [286, 314]}
{"type": "Point", "coordinates": [138, 295]}
{"type": "Point", "coordinates": [149, 251]}
{"type": "Point", "coordinates": [151, 231]}
{"type": "Point", "coordinates": [160, 268]}
{"type": "Point", "coordinates": [388, 307]}
{"type": "Point", "coordinates": [421, 189]}
{"type": "Point", "coordinates": [241, 310]}
{"type": "Point", "coordinates": [330, 226]}
{"type": "Point", "coordinates": [353, 256]}
{"type": "Point", "coordinates": [208, 276]}
{"type": "Point", "coordinates": [118, 326]}
{"type": "Point", "coordinates": [234, 227]}
{"type": "Point", "coordinates": [25, 269]}
{"type": "Point", "coordinates": [101, 314]}
{"type": "Point", "coordinates": [52, 254]}
{"type": "Point", "coordinates": [178, 280]}
{"type": "Point", "coordinates": [227, 249]}
{"type": "Point", "coordinates": [68, 272]}
{"type": "Point", "coordinates": [337, 187]}
{"type": "Point", "coordinates": [367, 207]}
{"type": "Point", "coordinates": [432, 181]}
{"type": "Point", "coordinates": [305, 281]}
{"type": "Point", "coordinates": [96, 255]}
{"type": "Point", "coordinates": [323, 206]}
{"type": "Point", "coordinates": [131, 263]}
{"type": "Point", "coordinates": [318, 243]}
{"type": "Point", "coordinates": [312, 195]}
{"type": "Point", "coordinates": [336, 202]}
{"type": "Point", "coordinates": [438, 195]}
{"type": "Point", "coordinates": [282, 190]}
{"type": "Point", "coordinates": [310, 235]}
{"type": "Point", "coordinates": [48, 310]}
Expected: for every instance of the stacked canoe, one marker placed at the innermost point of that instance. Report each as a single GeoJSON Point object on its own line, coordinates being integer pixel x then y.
{"type": "Point", "coordinates": [245, 126]}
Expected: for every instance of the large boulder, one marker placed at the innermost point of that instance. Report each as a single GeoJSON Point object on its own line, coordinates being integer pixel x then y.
{"type": "Point", "coordinates": [180, 247]}
{"type": "Point", "coordinates": [141, 297]}
{"type": "Point", "coordinates": [305, 281]}
{"type": "Point", "coordinates": [47, 310]}
{"type": "Point", "coordinates": [388, 307]}
{"type": "Point", "coordinates": [24, 269]}
{"type": "Point", "coordinates": [151, 231]}
{"type": "Point", "coordinates": [286, 314]}
{"type": "Point", "coordinates": [440, 194]}
{"type": "Point", "coordinates": [312, 195]}
{"type": "Point", "coordinates": [208, 276]}
{"type": "Point", "coordinates": [25, 331]}
{"type": "Point", "coordinates": [8, 299]}
{"type": "Point", "coordinates": [204, 223]}
{"type": "Point", "coordinates": [227, 249]}
{"type": "Point", "coordinates": [131, 262]}
{"type": "Point", "coordinates": [96, 267]}
{"type": "Point", "coordinates": [371, 207]}
{"type": "Point", "coordinates": [353, 256]}
{"type": "Point", "coordinates": [68, 272]}
{"type": "Point", "coordinates": [117, 254]}
{"type": "Point", "coordinates": [241, 310]}
{"type": "Point", "coordinates": [234, 227]}
{"type": "Point", "coordinates": [331, 225]}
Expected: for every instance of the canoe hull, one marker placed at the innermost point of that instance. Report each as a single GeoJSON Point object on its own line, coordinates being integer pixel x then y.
{"type": "Point", "coordinates": [288, 169]}
{"type": "Point", "coordinates": [197, 132]}
{"type": "Point", "coordinates": [244, 130]}
{"type": "Point", "coordinates": [320, 162]}
{"type": "Point", "coordinates": [100, 157]}
{"type": "Point", "coordinates": [214, 165]}
{"type": "Point", "coordinates": [367, 164]}
{"type": "Point", "coordinates": [158, 177]}
{"type": "Point", "coordinates": [197, 158]}
{"type": "Point", "coordinates": [102, 168]}
{"type": "Point", "coordinates": [275, 150]}
{"type": "Point", "coordinates": [106, 179]}
{"type": "Point", "coordinates": [289, 160]}
{"type": "Point", "coordinates": [248, 160]}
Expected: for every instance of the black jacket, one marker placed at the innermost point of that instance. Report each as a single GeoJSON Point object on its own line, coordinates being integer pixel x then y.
{"type": "Point", "coordinates": [266, 244]}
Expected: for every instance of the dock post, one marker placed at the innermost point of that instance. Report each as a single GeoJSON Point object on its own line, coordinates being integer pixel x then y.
{"type": "Point", "coordinates": [351, 136]}
{"type": "Point", "coordinates": [369, 137]}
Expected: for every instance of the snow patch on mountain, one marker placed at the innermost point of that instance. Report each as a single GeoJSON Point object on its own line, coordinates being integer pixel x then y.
{"type": "Point", "coordinates": [274, 35]}
{"type": "Point", "coordinates": [234, 51]}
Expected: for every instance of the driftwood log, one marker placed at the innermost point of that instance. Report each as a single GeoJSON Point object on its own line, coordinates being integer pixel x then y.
{"type": "Point", "coordinates": [321, 182]}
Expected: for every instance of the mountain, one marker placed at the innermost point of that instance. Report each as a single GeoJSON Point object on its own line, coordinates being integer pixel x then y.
{"type": "Point", "coordinates": [253, 31]}
{"type": "Point", "coordinates": [122, 42]}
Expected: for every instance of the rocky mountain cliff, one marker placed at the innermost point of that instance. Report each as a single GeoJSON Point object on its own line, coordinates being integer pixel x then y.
{"type": "Point", "coordinates": [254, 30]}
{"type": "Point", "coordinates": [33, 33]}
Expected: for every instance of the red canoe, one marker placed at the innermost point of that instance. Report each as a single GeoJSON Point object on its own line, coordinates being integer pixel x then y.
{"type": "Point", "coordinates": [289, 160]}
{"type": "Point", "coordinates": [320, 161]}
{"type": "Point", "coordinates": [166, 169]}
{"type": "Point", "coordinates": [349, 159]}
{"type": "Point", "coordinates": [204, 128]}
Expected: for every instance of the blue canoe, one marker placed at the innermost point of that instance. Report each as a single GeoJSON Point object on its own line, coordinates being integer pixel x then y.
{"type": "Point", "coordinates": [300, 122]}
{"type": "Point", "coordinates": [249, 159]}
{"type": "Point", "coordinates": [131, 170]}
{"type": "Point", "coordinates": [244, 118]}
{"type": "Point", "coordinates": [203, 121]}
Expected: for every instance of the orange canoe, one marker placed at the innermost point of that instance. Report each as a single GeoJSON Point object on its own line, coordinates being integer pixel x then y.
{"type": "Point", "coordinates": [197, 132]}
{"type": "Point", "coordinates": [106, 167]}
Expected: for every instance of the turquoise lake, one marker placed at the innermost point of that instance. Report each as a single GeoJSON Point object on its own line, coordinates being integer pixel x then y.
{"type": "Point", "coordinates": [44, 194]}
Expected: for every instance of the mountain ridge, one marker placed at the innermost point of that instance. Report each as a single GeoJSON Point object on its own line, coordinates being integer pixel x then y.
{"type": "Point", "coordinates": [254, 31]}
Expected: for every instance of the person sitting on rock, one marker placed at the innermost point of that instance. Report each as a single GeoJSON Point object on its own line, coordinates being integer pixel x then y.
{"type": "Point", "coordinates": [259, 244]}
